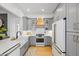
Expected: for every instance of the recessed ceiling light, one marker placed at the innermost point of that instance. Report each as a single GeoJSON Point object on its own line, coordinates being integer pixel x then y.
{"type": "Point", "coordinates": [28, 9]}
{"type": "Point", "coordinates": [42, 10]}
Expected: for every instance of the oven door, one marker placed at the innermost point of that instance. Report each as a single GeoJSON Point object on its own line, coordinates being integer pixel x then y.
{"type": "Point", "coordinates": [39, 40]}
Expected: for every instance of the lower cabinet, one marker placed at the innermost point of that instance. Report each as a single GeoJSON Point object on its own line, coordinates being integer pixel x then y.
{"type": "Point", "coordinates": [47, 40]}
{"type": "Point", "coordinates": [72, 44]}
{"type": "Point", "coordinates": [32, 40]}
{"type": "Point", "coordinates": [24, 48]}
{"type": "Point", "coordinates": [77, 46]}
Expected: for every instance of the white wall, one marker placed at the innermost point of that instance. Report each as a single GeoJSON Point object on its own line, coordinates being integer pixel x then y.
{"type": "Point", "coordinates": [12, 22]}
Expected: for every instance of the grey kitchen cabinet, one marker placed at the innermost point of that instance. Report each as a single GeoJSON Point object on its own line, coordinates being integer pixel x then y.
{"type": "Point", "coordinates": [76, 25]}
{"type": "Point", "coordinates": [71, 12]}
{"type": "Point", "coordinates": [70, 44]}
{"type": "Point", "coordinates": [78, 13]}
{"type": "Point", "coordinates": [77, 28]}
{"type": "Point", "coordinates": [22, 51]}
{"type": "Point", "coordinates": [47, 40]}
{"type": "Point", "coordinates": [60, 12]}
{"type": "Point", "coordinates": [71, 16]}
{"type": "Point", "coordinates": [32, 40]}
{"type": "Point", "coordinates": [25, 23]}
{"type": "Point", "coordinates": [72, 29]}
{"type": "Point", "coordinates": [24, 48]}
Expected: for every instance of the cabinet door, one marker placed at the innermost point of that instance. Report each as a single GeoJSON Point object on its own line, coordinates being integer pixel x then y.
{"type": "Point", "coordinates": [70, 44]}
{"type": "Point", "coordinates": [62, 11]}
{"type": "Point", "coordinates": [32, 40]}
{"type": "Point", "coordinates": [71, 16]}
{"type": "Point", "coordinates": [77, 29]}
{"type": "Point", "coordinates": [45, 40]}
{"type": "Point", "coordinates": [49, 40]}
{"type": "Point", "coordinates": [24, 48]}
{"type": "Point", "coordinates": [76, 25]}
{"type": "Point", "coordinates": [25, 21]}
{"type": "Point", "coordinates": [78, 12]}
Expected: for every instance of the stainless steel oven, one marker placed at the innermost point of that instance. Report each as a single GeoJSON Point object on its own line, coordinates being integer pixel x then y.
{"type": "Point", "coordinates": [39, 39]}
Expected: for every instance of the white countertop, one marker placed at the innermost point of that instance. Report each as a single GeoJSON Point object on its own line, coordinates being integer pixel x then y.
{"type": "Point", "coordinates": [23, 40]}
{"type": "Point", "coordinates": [6, 44]}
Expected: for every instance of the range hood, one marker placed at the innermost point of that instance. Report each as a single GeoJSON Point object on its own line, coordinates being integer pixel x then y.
{"type": "Point", "coordinates": [40, 22]}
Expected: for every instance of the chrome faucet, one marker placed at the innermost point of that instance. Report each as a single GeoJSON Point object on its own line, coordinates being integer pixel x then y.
{"type": "Point", "coordinates": [18, 33]}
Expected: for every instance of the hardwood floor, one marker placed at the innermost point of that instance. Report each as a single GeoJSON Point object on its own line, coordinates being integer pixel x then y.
{"type": "Point", "coordinates": [39, 51]}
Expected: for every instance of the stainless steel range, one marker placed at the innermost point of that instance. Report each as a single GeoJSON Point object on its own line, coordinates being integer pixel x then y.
{"type": "Point", "coordinates": [39, 39]}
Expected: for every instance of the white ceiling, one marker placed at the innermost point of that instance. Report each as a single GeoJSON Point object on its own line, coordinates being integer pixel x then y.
{"type": "Point", "coordinates": [35, 8]}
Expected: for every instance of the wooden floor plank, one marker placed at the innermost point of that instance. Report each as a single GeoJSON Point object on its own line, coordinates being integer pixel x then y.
{"type": "Point", "coordinates": [39, 51]}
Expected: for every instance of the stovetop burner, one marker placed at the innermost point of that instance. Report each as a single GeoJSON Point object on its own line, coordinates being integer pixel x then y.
{"type": "Point", "coordinates": [39, 35]}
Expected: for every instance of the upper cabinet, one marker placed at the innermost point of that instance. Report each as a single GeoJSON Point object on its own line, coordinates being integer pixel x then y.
{"type": "Point", "coordinates": [71, 16]}
{"type": "Point", "coordinates": [70, 11]}
{"type": "Point", "coordinates": [60, 12]}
